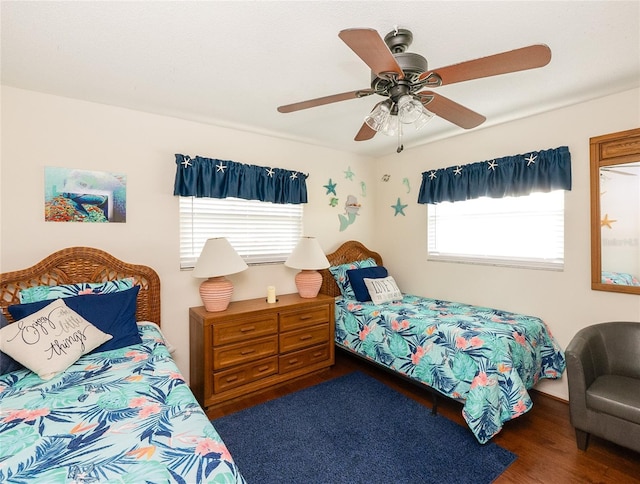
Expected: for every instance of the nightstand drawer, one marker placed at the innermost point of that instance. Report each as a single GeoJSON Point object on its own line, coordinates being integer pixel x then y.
{"type": "Point", "coordinates": [302, 358]}
{"type": "Point", "coordinates": [235, 354]}
{"type": "Point", "coordinates": [235, 331]}
{"type": "Point", "coordinates": [304, 317]}
{"type": "Point", "coordinates": [235, 377]}
{"type": "Point", "coordinates": [302, 338]}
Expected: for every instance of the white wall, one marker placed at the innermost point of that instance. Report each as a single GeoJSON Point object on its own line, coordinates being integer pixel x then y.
{"type": "Point", "coordinates": [563, 299]}
{"type": "Point", "coordinates": [40, 130]}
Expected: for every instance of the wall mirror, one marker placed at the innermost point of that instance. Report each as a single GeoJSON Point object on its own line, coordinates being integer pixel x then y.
{"type": "Point", "coordinates": [615, 212]}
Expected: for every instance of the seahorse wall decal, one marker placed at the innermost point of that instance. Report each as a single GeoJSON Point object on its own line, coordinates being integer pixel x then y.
{"type": "Point", "coordinates": [351, 208]}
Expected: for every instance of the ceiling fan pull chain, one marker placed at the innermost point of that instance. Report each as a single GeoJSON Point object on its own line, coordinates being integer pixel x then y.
{"type": "Point", "coordinates": [400, 146]}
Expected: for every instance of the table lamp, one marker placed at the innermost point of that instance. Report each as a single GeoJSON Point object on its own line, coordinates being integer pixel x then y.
{"type": "Point", "coordinates": [308, 256]}
{"type": "Point", "coordinates": [217, 259]}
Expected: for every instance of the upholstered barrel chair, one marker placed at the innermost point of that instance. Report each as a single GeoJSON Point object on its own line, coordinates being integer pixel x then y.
{"type": "Point", "coordinates": [603, 368]}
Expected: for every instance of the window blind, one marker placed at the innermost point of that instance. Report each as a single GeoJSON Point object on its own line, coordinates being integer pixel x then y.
{"type": "Point", "coordinates": [525, 231]}
{"type": "Point", "coordinates": [261, 232]}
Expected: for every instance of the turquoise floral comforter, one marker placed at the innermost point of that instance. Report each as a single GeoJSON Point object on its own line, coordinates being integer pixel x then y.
{"type": "Point", "coordinates": [121, 416]}
{"type": "Point", "coordinates": [485, 357]}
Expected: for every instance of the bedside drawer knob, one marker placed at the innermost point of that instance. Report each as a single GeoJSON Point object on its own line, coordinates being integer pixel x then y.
{"type": "Point", "coordinates": [231, 378]}
{"type": "Point", "coordinates": [306, 337]}
{"type": "Point", "coordinates": [246, 329]}
{"type": "Point", "coordinates": [248, 351]}
{"type": "Point", "coordinates": [293, 361]}
{"type": "Point", "coordinates": [264, 368]}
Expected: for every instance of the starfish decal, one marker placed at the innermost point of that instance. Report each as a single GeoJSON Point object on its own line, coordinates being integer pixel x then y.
{"type": "Point", "coordinates": [294, 175]}
{"type": "Point", "coordinates": [186, 162]}
{"type": "Point", "coordinates": [399, 207]}
{"type": "Point", "coordinates": [432, 175]}
{"type": "Point", "coordinates": [220, 167]}
{"type": "Point", "coordinates": [606, 221]}
{"type": "Point", "coordinates": [331, 187]}
{"type": "Point", "coordinates": [457, 170]}
{"type": "Point", "coordinates": [349, 174]}
{"type": "Point", "coordinates": [531, 160]}
{"type": "Point", "coordinates": [492, 165]}
{"type": "Point", "coordinates": [270, 172]}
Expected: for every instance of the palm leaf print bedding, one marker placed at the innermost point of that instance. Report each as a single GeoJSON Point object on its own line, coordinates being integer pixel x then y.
{"type": "Point", "coordinates": [485, 357]}
{"type": "Point", "coordinates": [124, 415]}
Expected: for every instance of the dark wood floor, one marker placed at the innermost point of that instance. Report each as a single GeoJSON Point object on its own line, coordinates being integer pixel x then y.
{"type": "Point", "coordinates": [543, 438]}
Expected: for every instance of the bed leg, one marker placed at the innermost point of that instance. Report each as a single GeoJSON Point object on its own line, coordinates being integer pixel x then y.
{"type": "Point", "coordinates": [434, 406]}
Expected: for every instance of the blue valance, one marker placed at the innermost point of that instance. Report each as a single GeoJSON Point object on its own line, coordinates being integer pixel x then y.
{"type": "Point", "coordinates": [213, 178]}
{"type": "Point", "coordinates": [539, 171]}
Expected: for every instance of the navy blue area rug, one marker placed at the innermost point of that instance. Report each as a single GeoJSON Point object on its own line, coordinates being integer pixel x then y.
{"type": "Point", "coordinates": [355, 429]}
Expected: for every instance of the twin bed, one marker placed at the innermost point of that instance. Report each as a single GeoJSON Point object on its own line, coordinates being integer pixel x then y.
{"type": "Point", "coordinates": [120, 415]}
{"type": "Point", "coordinates": [125, 413]}
{"type": "Point", "coordinates": [483, 357]}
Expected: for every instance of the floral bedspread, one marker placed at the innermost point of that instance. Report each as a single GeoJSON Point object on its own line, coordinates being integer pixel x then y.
{"type": "Point", "coordinates": [124, 416]}
{"type": "Point", "coordinates": [486, 357]}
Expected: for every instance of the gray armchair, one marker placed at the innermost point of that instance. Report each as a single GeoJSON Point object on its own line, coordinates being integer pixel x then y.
{"type": "Point", "coordinates": [603, 368]}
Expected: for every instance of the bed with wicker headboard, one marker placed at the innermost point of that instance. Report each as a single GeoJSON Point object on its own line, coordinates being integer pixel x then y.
{"type": "Point", "coordinates": [119, 414]}
{"type": "Point", "coordinates": [75, 265]}
{"type": "Point", "coordinates": [484, 357]}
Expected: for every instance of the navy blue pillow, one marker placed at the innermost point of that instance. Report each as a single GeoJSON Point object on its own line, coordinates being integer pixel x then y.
{"type": "Point", "coordinates": [356, 279]}
{"type": "Point", "coordinates": [113, 313]}
{"type": "Point", "coordinates": [7, 363]}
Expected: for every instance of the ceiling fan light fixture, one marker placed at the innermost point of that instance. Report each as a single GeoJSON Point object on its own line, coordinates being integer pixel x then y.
{"type": "Point", "coordinates": [424, 118]}
{"type": "Point", "coordinates": [377, 118]}
{"type": "Point", "coordinates": [410, 109]}
{"type": "Point", "coordinates": [390, 127]}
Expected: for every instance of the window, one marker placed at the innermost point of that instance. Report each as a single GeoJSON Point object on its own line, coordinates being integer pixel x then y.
{"type": "Point", "coordinates": [526, 231]}
{"type": "Point", "coordinates": [261, 232]}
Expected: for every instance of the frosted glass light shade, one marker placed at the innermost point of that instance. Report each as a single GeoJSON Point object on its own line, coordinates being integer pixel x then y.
{"type": "Point", "coordinates": [218, 258]}
{"type": "Point", "coordinates": [424, 118]}
{"type": "Point", "coordinates": [377, 118]}
{"type": "Point", "coordinates": [409, 109]}
{"type": "Point", "coordinates": [307, 255]}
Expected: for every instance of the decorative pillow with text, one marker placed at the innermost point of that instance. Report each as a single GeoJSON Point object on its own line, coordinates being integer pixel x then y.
{"type": "Point", "coordinates": [383, 290]}
{"type": "Point", "coordinates": [51, 339]}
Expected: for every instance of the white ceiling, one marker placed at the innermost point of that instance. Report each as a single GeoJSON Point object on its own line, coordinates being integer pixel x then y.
{"type": "Point", "coordinates": [233, 63]}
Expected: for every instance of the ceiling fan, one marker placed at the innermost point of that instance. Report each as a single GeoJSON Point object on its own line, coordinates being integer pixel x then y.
{"type": "Point", "coordinates": [405, 80]}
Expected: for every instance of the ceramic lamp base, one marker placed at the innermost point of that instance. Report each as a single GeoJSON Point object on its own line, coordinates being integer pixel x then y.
{"type": "Point", "coordinates": [308, 283]}
{"type": "Point", "coordinates": [216, 293]}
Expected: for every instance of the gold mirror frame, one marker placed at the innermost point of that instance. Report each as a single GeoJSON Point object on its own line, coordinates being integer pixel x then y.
{"type": "Point", "coordinates": [606, 151]}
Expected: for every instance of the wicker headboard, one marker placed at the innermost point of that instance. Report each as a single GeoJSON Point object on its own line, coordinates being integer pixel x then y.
{"type": "Point", "coordinates": [83, 264]}
{"type": "Point", "coordinates": [350, 251]}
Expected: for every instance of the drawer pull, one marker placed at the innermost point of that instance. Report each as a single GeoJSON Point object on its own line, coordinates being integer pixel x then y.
{"type": "Point", "coordinates": [293, 361]}
{"type": "Point", "coordinates": [247, 329]}
{"type": "Point", "coordinates": [263, 368]}
{"type": "Point", "coordinates": [318, 353]}
{"type": "Point", "coordinates": [306, 337]}
{"type": "Point", "coordinates": [304, 318]}
{"type": "Point", "coordinates": [248, 351]}
{"type": "Point", "coordinates": [231, 378]}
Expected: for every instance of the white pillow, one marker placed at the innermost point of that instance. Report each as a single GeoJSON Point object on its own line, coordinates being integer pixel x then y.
{"type": "Point", "coordinates": [50, 340]}
{"type": "Point", "coordinates": [383, 290]}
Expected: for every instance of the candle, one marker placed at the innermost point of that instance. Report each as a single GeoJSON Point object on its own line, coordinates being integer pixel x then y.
{"type": "Point", "coordinates": [271, 294]}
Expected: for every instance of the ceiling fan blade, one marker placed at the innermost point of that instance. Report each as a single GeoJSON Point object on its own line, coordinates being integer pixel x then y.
{"type": "Point", "coordinates": [311, 103]}
{"type": "Point", "coordinates": [365, 133]}
{"type": "Point", "coordinates": [521, 59]}
{"type": "Point", "coordinates": [450, 110]}
{"type": "Point", "coordinates": [369, 46]}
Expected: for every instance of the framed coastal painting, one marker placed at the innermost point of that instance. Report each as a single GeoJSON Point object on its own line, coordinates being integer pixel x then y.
{"type": "Point", "coordinates": [84, 196]}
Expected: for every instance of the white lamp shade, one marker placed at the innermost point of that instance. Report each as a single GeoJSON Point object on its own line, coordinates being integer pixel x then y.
{"type": "Point", "coordinates": [307, 255]}
{"type": "Point", "coordinates": [218, 258]}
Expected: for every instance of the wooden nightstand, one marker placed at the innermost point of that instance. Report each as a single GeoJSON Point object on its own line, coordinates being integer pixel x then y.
{"type": "Point", "coordinates": [253, 345]}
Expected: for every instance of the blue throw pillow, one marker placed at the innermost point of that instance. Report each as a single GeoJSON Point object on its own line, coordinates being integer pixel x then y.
{"type": "Point", "coordinates": [112, 313]}
{"type": "Point", "coordinates": [7, 364]}
{"type": "Point", "coordinates": [356, 279]}
{"type": "Point", "coordinates": [340, 275]}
